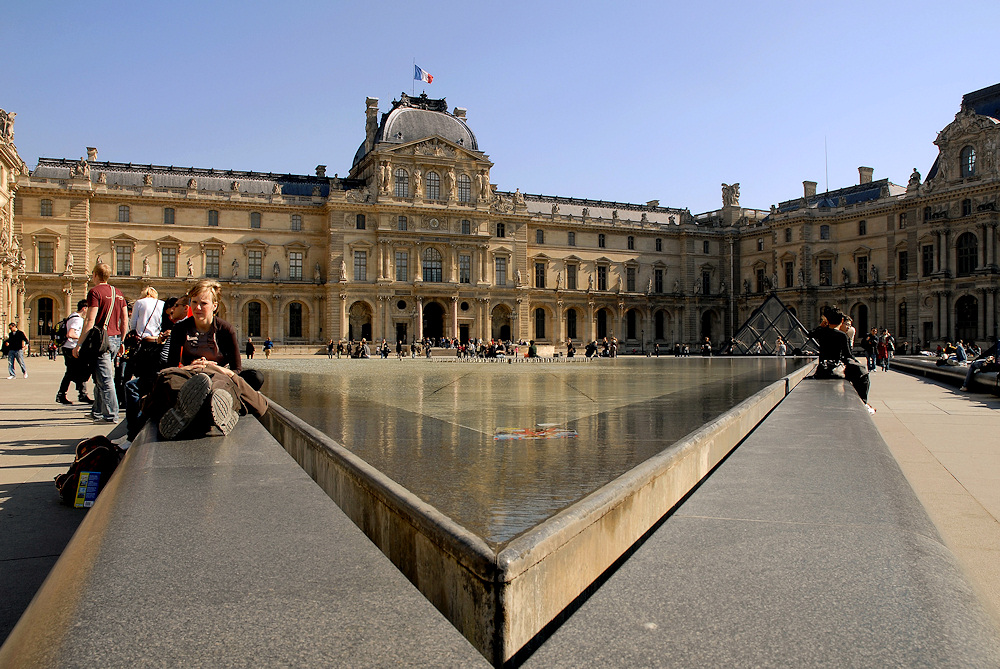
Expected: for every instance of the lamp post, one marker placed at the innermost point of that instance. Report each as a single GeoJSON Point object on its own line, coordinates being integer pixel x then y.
{"type": "Point", "coordinates": [642, 335]}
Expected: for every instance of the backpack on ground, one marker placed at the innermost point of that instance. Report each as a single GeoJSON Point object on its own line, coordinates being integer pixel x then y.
{"type": "Point", "coordinates": [96, 460]}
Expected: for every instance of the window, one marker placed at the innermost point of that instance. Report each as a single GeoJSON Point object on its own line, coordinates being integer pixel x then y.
{"type": "Point", "coordinates": [903, 271]}
{"type": "Point", "coordinates": [630, 279]}
{"type": "Point", "coordinates": [464, 188]}
{"type": "Point", "coordinates": [967, 252]}
{"type": "Point", "coordinates": [862, 228]}
{"type": "Point", "coordinates": [706, 283]}
{"type": "Point", "coordinates": [601, 240]}
{"type": "Point", "coordinates": [46, 257]}
{"type": "Point", "coordinates": [359, 222]}
{"type": "Point", "coordinates": [630, 243]}
{"type": "Point", "coordinates": [571, 238]}
{"type": "Point", "coordinates": [901, 322]}
{"type": "Point", "coordinates": [255, 263]}
{"type": "Point", "coordinates": [501, 230]}
{"type": "Point", "coordinates": [123, 213]}
{"type": "Point", "coordinates": [296, 222]}
{"type": "Point", "coordinates": [570, 277]}
{"type": "Point", "coordinates": [966, 207]}
{"type": "Point", "coordinates": [168, 262]}
{"type": "Point", "coordinates": [789, 274]}
{"type": "Point", "coordinates": [46, 208]}
{"type": "Point", "coordinates": [788, 234]}
{"type": "Point", "coordinates": [123, 260]}
{"type": "Point", "coordinates": [902, 221]}
{"type": "Point", "coordinates": [539, 236]}
{"type": "Point", "coordinates": [295, 265]}
{"type": "Point", "coordinates": [213, 218]}
{"type": "Point", "coordinates": [254, 219]}
{"type": "Point", "coordinates": [760, 279]}
{"type": "Point", "coordinates": [927, 259]}
{"type": "Point", "coordinates": [295, 319]}
{"type": "Point", "coordinates": [402, 265]}
{"type": "Point", "coordinates": [760, 244]}
{"type": "Point", "coordinates": [927, 214]}
{"type": "Point", "coordinates": [658, 281]}
{"type": "Point", "coordinates": [968, 158]}
{"type": "Point", "coordinates": [539, 323]}
{"type": "Point", "coordinates": [602, 277]}
{"type": "Point", "coordinates": [826, 272]}
{"type": "Point", "coordinates": [705, 247]}
{"type": "Point", "coordinates": [466, 227]}
{"type": "Point", "coordinates": [168, 215]}
{"type": "Point", "coordinates": [539, 275]}
{"type": "Point", "coordinates": [862, 269]}
{"type": "Point", "coordinates": [433, 186]}
{"type": "Point", "coordinates": [464, 269]}
{"type": "Point", "coordinates": [824, 232]}
{"type": "Point", "coordinates": [432, 265]}
{"type": "Point", "coordinates": [401, 223]}
{"type": "Point", "coordinates": [571, 324]}
{"type": "Point", "coordinates": [212, 263]}
{"type": "Point", "coordinates": [360, 265]}
{"type": "Point", "coordinates": [402, 183]}
{"type": "Point", "coordinates": [45, 316]}
{"type": "Point", "coordinates": [659, 244]}
{"type": "Point", "coordinates": [253, 319]}
{"type": "Point", "coordinates": [500, 265]}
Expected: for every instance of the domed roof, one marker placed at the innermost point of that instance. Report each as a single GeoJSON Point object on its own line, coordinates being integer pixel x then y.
{"type": "Point", "coordinates": [412, 119]}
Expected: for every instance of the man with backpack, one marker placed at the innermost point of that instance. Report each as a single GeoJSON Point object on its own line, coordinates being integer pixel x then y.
{"type": "Point", "coordinates": [68, 336]}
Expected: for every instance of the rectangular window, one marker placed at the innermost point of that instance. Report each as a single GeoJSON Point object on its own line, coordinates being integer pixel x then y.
{"type": "Point", "coordinates": [168, 262]}
{"type": "Point", "coordinates": [46, 257]}
{"type": "Point", "coordinates": [659, 244]}
{"type": "Point", "coordinates": [826, 272]}
{"type": "Point", "coordinates": [630, 279]}
{"type": "Point", "coordinates": [123, 213]}
{"type": "Point", "coordinates": [902, 221]}
{"type": "Point", "coordinates": [464, 269]}
{"type": "Point", "coordinates": [571, 239]}
{"type": "Point", "coordinates": [466, 227]}
{"type": "Point", "coordinates": [360, 265]}
{"type": "Point", "coordinates": [401, 223]}
{"type": "Point", "coordinates": [296, 222]}
{"type": "Point", "coordinates": [602, 277]}
{"type": "Point", "coordinates": [927, 259]}
{"type": "Point", "coordinates": [255, 219]}
{"type": "Point", "coordinates": [862, 269]}
{"type": "Point", "coordinates": [788, 234]}
{"type": "Point", "coordinates": [789, 274]}
{"type": "Point", "coordinates": [255, 263]}
{"type": "Point", "coordinates": [402, 266]}
{"type": "Point", "coordinates": [213, 218]}
{"type": "Point", "coordinates": [212, 263]}
{"type": "Point", "coordinates": [705, 246]}
{"type": "Point", "coordinates": [571, 277]}
{"type": "Point", "coordinates": [601, 240]}
{"type": "Point", "coordinates": [539, 275]}
{"type": "Point", "coordinates": [862, 228]}
{"type": "Point", "coordinates": [501, 269]}
{"type": "Point", "coordinates": [760, 244]}
{"type": "Point", "coordinates": [168, 215]}
{"type": "Point", "coordinates": [539, 236]}
{"type": "Point", "coordinates": [295, 265]}
{"type": "Point", "coordinates": [904, 270]}
{"type": "Point", "coordinates": [658, 280]}
{"type": "Point", "coordinates": [706, 283]}
{"type": "Point", "coordinates": [760, 280]}
{"type": "Point", "coordinates": [359, 222]}
{"type": "Point", "coordinates": [46, 208]}
{"type": "Point", "coordinates": [630, 243]}
{"type": "Point", "coordinates": [501, 230]}
{"type": "Point", "coordinates": [824, 232]}
{"type": "Point", "coordinates": [123, 261]}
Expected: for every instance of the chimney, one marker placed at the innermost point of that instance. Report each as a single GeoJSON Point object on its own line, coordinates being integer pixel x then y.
{"type": "Point", "coordinates": [653, 203]}
{"type": "Point", "coordinates": [866, 174]}
{"type": "Point", "coordinates": [321, 171]}
{"type": "Point", "coordinates": [459, 112]}
{"type": "Point", "coordinates": [808, 189]}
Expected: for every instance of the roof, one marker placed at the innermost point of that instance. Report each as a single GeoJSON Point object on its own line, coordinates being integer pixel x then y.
{"type": "Point", "coordinates": [868, 192]}
{"type": "Point", "coordinates": [603, 209]}
{"type": "Point", "coordinates": [985, 101]}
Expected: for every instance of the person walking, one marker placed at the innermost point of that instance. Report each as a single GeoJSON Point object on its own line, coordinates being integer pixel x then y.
{"type": "Point", "coordinates": [103, 299]}
{"type": "Point", "coordinates": [76, 372]}
{"type": "Point", "coordinates": [15, 345]}
{"type": "Point", "coordinates": [250, 348]}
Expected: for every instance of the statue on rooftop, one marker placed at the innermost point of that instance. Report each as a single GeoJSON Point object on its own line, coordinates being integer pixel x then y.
{"type": "Point", "coordinates": [91, 153]}
{"type": "Point", "coordinates": [147, 180]}
{"type": "Point", "coordinates": [193, 183]}
{"type": "Point", "coordinates": [518, 197]}
{"type": "Point", "coordinates": [102, 178]}
{"type": "Point", "coordinates": [914, 181]}
{"type": "Point", "coordinates": [731, 195]}
{"type": "Point", "coordinates": [555, 209]}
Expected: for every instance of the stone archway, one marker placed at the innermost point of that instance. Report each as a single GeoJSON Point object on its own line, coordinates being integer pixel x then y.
{"type": "Point", "coordinates": [359, 321]}
{"type": "Point", "coordinates": [434, 315]}
{"type": "Point", "coordinates": [500, 323]}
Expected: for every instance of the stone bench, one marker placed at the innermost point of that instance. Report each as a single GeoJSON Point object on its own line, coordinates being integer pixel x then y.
{"type": "Point", "coordinates": [953, 375]}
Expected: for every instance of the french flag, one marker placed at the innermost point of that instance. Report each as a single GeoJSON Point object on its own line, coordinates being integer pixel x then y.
{"type": "Point", "coordinates": [422, 75]}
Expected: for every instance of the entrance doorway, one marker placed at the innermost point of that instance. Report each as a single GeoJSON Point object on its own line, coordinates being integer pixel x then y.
{"type": "Point", "coordinates": [359, 322]}
{"type": "Point", "coordinates": [463, 333]}
{"type": "Point", "coordinates": [401, 332]}
{"type": "Point", "coordinates": [433, 320]}
{"type": "Point", "coordinates": [500, 323]}
{"type": "Point", "coordinates": [602, 324]}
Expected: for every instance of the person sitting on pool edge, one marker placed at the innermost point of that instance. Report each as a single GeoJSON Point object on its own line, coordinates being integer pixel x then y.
{"type": "Point", "coordinates": [834, 351]}
{"type": "Point", "coordinates": [204, 384]}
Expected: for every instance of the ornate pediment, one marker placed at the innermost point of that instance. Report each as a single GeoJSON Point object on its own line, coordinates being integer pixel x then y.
{"type": "Point", "coordinates": [967, 122]}
{"type": "Point", "coordinates": [433, 147]}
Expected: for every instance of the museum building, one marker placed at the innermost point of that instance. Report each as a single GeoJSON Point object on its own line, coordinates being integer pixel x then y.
{"type": "Point", "coordinates": [417, 242]}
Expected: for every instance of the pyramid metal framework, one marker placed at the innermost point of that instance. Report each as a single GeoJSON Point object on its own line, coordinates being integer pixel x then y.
{"type": "Point", "coordinates": [759, 334]}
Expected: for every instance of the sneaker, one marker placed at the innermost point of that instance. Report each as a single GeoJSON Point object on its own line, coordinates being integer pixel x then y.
{"type": "Point", "coordinates": [10, 377]}
{"type": "Point", "coordinates": [190, 399]}
{"type": "Point", "coordinates": [964, 389]}
{"type": "Point", "coordinates": [25, 375]}
{"type": "Point", "coordinates": [62, 399]}
{"type": "Point", "coordinates": [870, 408]}
{"type": "Point", "coordinates": [83, 398]}
{"type": "Point", "coordinates": [224, 416]}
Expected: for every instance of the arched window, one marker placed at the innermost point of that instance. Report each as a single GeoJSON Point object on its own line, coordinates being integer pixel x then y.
{"type": "Point", "coordinates": [433, 186]}
{"type": "Point", "coordinates": [295, 319]}
{"type": "Point", "coordinates": [966, 250]}
{"type": "Point", "coordinates": [253, 319]}
{"type": "Point", "coordinates": [464, 188]}
{"type": "Point", "coordinates": [539, 323]}
{"type": "Point", "coordinates": [968, 161]}
{"type": "Point", "coordinates": [571, 324]}
{"type": "Point", "coordinates": [46, 208]}
{"type": "Point", "coordinates": [44, 316]}
{"type": "Point", "coordinates": [402, 183]}
{"type": "Point", "coordinates": [432, 265]}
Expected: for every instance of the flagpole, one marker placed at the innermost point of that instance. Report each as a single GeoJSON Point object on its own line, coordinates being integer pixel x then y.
{"type": "Point", "coordinates": [412, 78]}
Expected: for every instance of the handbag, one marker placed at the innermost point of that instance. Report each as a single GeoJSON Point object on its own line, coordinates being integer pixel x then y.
{"type": "Point", "coordinates": [96, 341]}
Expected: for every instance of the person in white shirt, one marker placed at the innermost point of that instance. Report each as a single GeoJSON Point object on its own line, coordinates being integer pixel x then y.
{"type": "Point", "coordinates": [76, 372]}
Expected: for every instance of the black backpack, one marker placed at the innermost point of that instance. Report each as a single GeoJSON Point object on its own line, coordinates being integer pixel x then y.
{"type": "Point", "coordinates": [62, 332]}
{"type": "Point", "coordinates": [96, 460]}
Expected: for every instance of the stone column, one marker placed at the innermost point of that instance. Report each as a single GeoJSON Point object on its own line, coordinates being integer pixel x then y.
{"type": "Point", "coordinates": [981, 327]}
{"type": "Point", "coordinates": [343, 316]}
{"type": "Point", "coordinates": [454, 316]}
{"type": "Point", "coordinates": [420, 318]}
{"type": "Point", "coordinates": [947, 251]}
{"type": "Point", "coordinates": [591, 325]}
{"type": "Point", "coordinates": [559, 336]}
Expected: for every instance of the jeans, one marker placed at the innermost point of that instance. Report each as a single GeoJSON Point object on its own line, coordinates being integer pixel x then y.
{"type": "Point", "coordinates": [973, 368]}
{"type": "Point", "coordinates": [105, 394]}
{"type": "Point", "coordinates": [13, 355]}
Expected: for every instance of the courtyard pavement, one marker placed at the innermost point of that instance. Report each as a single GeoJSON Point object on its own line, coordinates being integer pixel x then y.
{"type": "Point", "coordinates": [945, 441]}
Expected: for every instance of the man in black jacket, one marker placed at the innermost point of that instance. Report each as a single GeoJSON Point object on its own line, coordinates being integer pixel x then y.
{"type": "Point", "coordinates": [835, 350]}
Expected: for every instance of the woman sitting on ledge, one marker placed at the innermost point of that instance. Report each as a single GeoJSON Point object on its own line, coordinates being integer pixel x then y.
{"type": "Point", "coordinates": [204, 384]}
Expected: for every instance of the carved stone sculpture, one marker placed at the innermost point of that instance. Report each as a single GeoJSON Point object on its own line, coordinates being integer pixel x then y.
{"type": "Point", "coordinates": [385, 176]}
{"type": "Point", "coordinates": [914, 181]}
{"type": "Point", "coordinates": [147, 180]}
{"type": "Point", "coordinates": [69, 262]}
{"type": "Point", "coordinates": [558, 279]}
{"type": "Point", "coordinates": [774, 280]}
{"type": "Point", "coordinates": [450, 179]}
{"type": "Point", "coordinates": [236, 268]}
{"type": "Point", "coordinates": [874, 274]}
{"type": "Point", "coordinates": [844, 275]}
{"type": "Point", "coordinates": [145, 266]}
{"type": "Point", "coordinates": [102, 178]}
{"type": "Point", "coordinates": [275, 270]}
{"type": "Point", "coordinates": [731, 195]}
{"type": "Point", "coordinates": [234, 186]}
{"type": "Point", "coordinates": [418, 184]}
{"type": "Point", "coordinates": [518, 197]}
{"type": "Point", "coordinates": [649, 286]}
{"type": "Point", "coordinates": [190, 266]}
{"type": "Point", "coordinates": [276, 190]}
{"type": "Point", "coordinates": [317, 273]}
{"type": "Point", "coordinates": [91, 153]}
{"type": "Point", "coordinates": [555, 209]}
{"type": "Point", "coordinates": [802, 278]}
{"type": "Point", "coordinates": [343, 271]}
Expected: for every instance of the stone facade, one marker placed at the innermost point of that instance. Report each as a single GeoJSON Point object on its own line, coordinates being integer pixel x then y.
{"type": "Point", "coordinates": [12, 307]}
{"type": "Point", "coordinates": [417, 242]}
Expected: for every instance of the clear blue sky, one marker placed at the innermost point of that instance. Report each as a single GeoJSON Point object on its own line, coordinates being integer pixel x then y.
{"type": "Point", "coordinates": [627, 101]}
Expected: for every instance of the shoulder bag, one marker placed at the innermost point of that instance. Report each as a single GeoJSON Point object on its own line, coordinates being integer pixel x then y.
{"type": "Point", "coordinates": [96, 341]}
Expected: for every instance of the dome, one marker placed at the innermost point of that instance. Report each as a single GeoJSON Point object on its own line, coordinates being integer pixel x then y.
{"type": "Point", "coordinates": [412, 119]}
